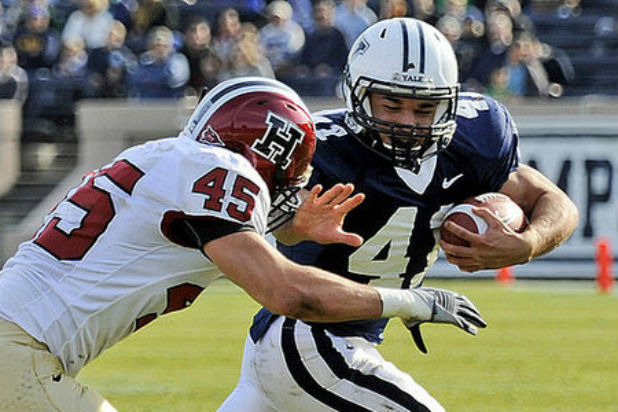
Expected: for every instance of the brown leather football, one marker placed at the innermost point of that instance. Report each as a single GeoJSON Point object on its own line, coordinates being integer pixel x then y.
{"type": "Point", "coordinates": [501, 205]}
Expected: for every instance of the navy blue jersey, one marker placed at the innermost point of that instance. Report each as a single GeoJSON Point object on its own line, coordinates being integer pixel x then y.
{"type": "Point", "coordinates": [401, 209]}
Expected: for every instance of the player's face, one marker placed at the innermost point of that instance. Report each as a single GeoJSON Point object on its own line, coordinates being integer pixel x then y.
{"type": "Point", "coordinates": [413, 112]}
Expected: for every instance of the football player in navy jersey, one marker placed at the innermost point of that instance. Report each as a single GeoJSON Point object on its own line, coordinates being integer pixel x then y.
{"type": "Point", "coordinates": [414, 145]}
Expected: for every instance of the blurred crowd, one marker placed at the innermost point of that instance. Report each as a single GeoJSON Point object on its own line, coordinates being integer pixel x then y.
{"type": "Point", "coordinates": [55, 52]}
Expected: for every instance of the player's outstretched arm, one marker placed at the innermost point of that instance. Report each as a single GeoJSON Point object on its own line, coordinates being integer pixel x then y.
{"type": "Point", "coordinates": [320, 217]}
{"type": "Point", "coordinates": [311, 294]}
{"type": "Point", "coordinates": [287, 288]}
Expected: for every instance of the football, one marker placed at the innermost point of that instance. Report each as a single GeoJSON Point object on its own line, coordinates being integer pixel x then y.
{"type": "Point", "coordinates": [501, 205]}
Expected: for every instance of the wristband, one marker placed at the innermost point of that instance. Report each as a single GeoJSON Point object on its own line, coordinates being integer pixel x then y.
{"type": "Point", "coordinates": [403, 303]}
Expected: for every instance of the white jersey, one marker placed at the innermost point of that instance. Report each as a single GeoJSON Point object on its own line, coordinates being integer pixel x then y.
{"type": "Point", "coordinates": [103, 264]}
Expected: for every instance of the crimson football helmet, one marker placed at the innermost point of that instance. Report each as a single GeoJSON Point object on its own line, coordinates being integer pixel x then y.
{"type": "Point", "coordinates": [266, 122]}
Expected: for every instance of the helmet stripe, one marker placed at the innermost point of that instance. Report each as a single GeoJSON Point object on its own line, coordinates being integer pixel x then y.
{"type": "Point", "coordinates": [236, 86]}
{"type": "Point", "coordinates": [421, 38]}
{"type": "Point", "coordinates": [404, 34]}
{"type": "Point", "coordinates": [228, 90]}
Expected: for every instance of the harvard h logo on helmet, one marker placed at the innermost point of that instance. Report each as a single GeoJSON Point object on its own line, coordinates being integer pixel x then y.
{"type": "Point", "coordinates": [279, 141]}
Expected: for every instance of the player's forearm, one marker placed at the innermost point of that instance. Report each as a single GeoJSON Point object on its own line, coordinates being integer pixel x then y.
{"type": "Point", "coordinates": [329, 298]}
{"type": "Point", "coordinates": [303, 292]}
{"type": "Point", "coordinates": [320, 296]}
{"type": "Point", "coordinates": [553, 219]}
{"type": "Point", "coordinates": [287, 288]}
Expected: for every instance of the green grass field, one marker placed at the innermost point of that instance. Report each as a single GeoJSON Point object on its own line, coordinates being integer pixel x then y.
{"type": "Point", "coordinates": [550, 346]}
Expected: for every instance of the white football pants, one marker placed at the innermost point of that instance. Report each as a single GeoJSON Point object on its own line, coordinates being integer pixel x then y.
{"type": "Point", "coordinates": [297, 368]}
{"type": "Point", "coordinates": [33, 380]}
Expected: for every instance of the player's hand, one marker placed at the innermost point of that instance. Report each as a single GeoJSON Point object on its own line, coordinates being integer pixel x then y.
{"type": "Point", "coordinates": [498, 247]}
{"type": "Point", "coordinates": [320, 217]}
{"type": "Point", "coordinates": [445, 307]}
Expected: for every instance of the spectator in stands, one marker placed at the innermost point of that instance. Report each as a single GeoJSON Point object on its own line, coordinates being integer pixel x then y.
{"type": "Point", "coordinates": [197, 45]}
{"type": "Point", "coordinates": [393, 8]}
{"type": "Point", "coordinates": [229, 30]}
{"type": "Point", "coordinates": [526, 73]}
{"type": "Point", "coordinates": [73, 59]}
{"type": "Point", "coordinates": [465, 36]}
{"type": "Point", "coordinates": [65, 85]}
{"type": "Point", "coordinates": [605, 34]}
{"type": "Point", "coordinates": [282, 38]}
{"type": "Point", "coordinates": [424, 10]}
{"type": "Point", "coordinates": [451, 27]}
{"type": "Point", "coordinates": [37, 44]}
{"type": "Point", "coordinates": [513, 9]}
{"type": "Point", "coordinates": [499, 37]}
{"type": "Point", "coordinates": [474, 25]}
{"type": "Point", "coordinates": [13, 79]}
{"type": "Point", "coordinates": [498, 86]}
{"type": "Point", "coordinates": [248, 58]}
{"type": "Point", "coordinates": [14, 14]}
{"type": "Point", "coordinates": [352, 17]}
{"type": "Point", "coordinates": [92, 22]}
{"type": "Point", "coordinates": [147, 15]}
{"type": "Point", "coordinates": [161, 72]}
{"type": "Point", "coordinates": [303, 14]}
{"type": "Point", "coordinates": [110, 66]}
{"type": "Point", "coordinates": [471, 19]}
{"type": "Point", "coordinates": [325, 50]}
{"type": "Point", "coordinates": [516, 70]}
{"type": "Point", "coordinates": [569, 8]}
{"type": "Point", "coordinates": [460, 9]}
{"type": "Point", "coordinates": [211, 67]}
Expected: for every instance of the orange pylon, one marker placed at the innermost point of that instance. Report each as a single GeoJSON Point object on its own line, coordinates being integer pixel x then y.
{"type": "Point", "coordinates": [505, 275]}
{"type": "Point", "coordinates": [605, 262]}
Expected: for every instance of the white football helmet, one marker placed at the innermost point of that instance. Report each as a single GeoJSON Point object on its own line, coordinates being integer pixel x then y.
{"type": "Point", "coordinates": [406, 58]}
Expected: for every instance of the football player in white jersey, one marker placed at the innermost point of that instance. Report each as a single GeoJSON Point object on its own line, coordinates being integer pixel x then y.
{"type": "Point", "coordinates": [145, 234]}
{"type": "Point", "coordinates": [414, 146]}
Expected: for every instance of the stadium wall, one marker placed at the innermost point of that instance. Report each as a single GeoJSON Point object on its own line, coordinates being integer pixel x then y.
{"type": "Point", "coordinates": [10, 127]}
{"type": "Point", "coordinates": [573, 142]}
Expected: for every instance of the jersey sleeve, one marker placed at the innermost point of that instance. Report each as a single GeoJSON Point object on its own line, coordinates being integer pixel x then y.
{"type": "Point", "coordinates": [507, 156]}
{"type": "Point", "coordinates": [194, 232]}
{"type": "Point", "coordinates": [492, 139]}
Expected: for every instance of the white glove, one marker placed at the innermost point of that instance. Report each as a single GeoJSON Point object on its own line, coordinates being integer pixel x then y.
{"type": "Point", "coordinates": [420, 305]}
